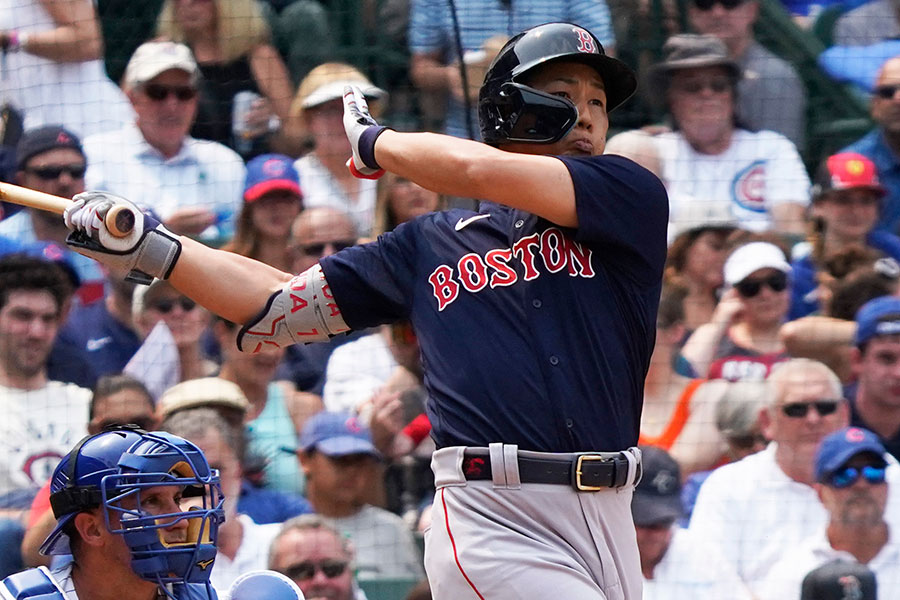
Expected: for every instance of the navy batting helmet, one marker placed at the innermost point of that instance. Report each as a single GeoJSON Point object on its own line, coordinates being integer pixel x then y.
{"type": "Point", "coordinates": [509, 111]}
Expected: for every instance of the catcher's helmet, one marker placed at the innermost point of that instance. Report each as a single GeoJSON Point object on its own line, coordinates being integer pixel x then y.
{"type": "Point", "coordinates": [110, 470]}
{"type": "Point", "coordinates": [509, 111]}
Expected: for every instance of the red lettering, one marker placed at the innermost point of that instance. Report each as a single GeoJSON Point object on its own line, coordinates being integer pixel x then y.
{"type": "Point", "coordinates": [472, 272]}
{"type": "Point", "coordinates": [444, 288]}
{"type": "Point", "coordinates": [503, 274]}
{"type": "Point", "coordinates": [579, 259]}
{"type": "Point", "coordinates": [326, 291]}
{"type": "Point", "coordinates": [522, 248]}
{"type": "Point", "coordinates": [298, 282]}
{"type": "Point", "coordinates": [314, 331]}
{"type": "Point", "coordinates": [299, 303]}
{"type": "Point", "coordinates": [553, 249]}
{"type": "Point", "coordinates": [335, 311]}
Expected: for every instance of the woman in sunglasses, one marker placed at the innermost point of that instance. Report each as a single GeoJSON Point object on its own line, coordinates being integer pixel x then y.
{"type": "Point", "coordinates": [741, 342]}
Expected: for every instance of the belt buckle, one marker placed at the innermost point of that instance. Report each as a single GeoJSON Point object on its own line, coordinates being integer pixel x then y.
{"type": "Point", "coordinates": [580, 486]}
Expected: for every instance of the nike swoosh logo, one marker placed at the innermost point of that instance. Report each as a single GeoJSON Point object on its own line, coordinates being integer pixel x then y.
{"type": "Point", "coordinates": [463, 222]}
{"type": "Point", "coordinates": [96, 343]}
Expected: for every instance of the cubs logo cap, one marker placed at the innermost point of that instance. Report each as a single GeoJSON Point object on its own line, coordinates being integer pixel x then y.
{"type": "Point", "coordinates": [842, 445]}
{"type": "Point", "coordinates": [271, 172]}
{"type": "Point", "coordinates": [336, 434]}
{"type": "Point", "coordinates": [657, 498]}
{"type": "Point", "coordinates": [846, 171]}
{"type": "Point", "coordinates": [877, 317]}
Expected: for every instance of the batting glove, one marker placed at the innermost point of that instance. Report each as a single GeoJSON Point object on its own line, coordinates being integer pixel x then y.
{"type": "Point", "coordinates": [362, 131]}
{"type": "Point", "coordinates": [149, 250]}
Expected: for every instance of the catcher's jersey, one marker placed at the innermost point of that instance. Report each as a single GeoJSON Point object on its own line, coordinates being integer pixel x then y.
{"type": "Point", "coordinates": [530, 333]}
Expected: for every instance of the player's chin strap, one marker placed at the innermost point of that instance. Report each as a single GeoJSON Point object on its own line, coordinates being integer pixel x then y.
{"type": "Point", "coordinates": [303, 311]}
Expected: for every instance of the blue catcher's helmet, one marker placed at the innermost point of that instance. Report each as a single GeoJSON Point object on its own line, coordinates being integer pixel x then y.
{"type": "Point", "coordinates": [113, 470]}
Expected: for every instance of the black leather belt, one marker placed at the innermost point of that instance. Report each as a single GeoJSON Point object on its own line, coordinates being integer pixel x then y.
{"type": "Point", "coordinates": [586, 472]}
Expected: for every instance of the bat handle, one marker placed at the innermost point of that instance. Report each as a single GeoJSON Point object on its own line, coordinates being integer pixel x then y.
{"type": "Point", "coordinates": [119, 220]}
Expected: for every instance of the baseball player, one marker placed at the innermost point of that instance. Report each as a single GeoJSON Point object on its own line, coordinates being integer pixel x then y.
{"type": "Point", "coordinates": [137, 511]}
{"type": "Point", "coordinates": [535, 315]}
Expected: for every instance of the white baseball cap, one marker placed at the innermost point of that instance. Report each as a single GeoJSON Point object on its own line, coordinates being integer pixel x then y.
{"type": "Point", "coordinates": [153, 58]}
{"type": "Point", "coordinates": [752, 257]}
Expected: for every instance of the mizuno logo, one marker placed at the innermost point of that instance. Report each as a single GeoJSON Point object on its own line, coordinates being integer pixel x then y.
{"type": "Point", "coordinates": [203, 564]}
{"type": "Point", "coordinates": [463, 222]}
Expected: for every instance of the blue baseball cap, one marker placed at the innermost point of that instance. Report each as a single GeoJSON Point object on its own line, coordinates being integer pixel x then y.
{"type": "Point", "coordinates": [842, 445]}
{"type": "Point", "coordinates": [270, 172]}
{"type": "Point", "coordinates": [877, 317]}
{"type": "Point", "coordinates": [337, 434]}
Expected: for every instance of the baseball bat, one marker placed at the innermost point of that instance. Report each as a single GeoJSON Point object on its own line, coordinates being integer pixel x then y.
{"type": "Point", "coordinates": [119, 220]}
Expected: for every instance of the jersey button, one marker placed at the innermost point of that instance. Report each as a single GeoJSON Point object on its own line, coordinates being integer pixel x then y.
{"type": "Point", "coordinates": [536, 303]}
{"type": "Point", "coordinates": [519, 223]}
{"type": "Point", "coordinates": [554, 361]}
{"type": "Point", "coordinates": [570, 423]}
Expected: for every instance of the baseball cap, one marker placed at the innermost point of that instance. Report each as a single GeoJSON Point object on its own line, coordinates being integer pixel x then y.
{"type": "Point", "coordinates": [327, 81]}
{"type": "Point", "coordinates": [210, 392]}
{"type": "Point", "coordinates": [880, 316]}
{"type": "Point", "coordinates": [845, 171]}
{"type": "Point", "coordinates": [840, 580]}
{"type": "Point", "coordinates": [657, 497]}
{"type": "Point", "coordinates": [39, 140]}
{"type": "Point", "coordinates": [153, 58]}
{"type": "Point", "coordinates": [60, 256]}
{"type": "Point", "coordinates": [752, 257]}
{"type": "Point", "coordinates": [336, 434]}
{"type": "Point", "coordinates": [270, 172]}
{"type": "Point", "coordinates": [842, 445]}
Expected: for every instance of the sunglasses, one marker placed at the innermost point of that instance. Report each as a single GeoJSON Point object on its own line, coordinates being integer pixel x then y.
{"type": "Point", "coordinates": [75, 171]}
{"type": "Point", "coordinates": [158, 93]}
{"type": "Point", "coordinates": [319, 249]}
{"type": "Point", "coordinates": [843, 478]}
{"type": "Point", "coordinates": [331, 568]}
{"type": "Point", "coordinates": [718, 85]}
{"type": "Point", "coordinates": [145, 423]}
{"type": "Point", "coordinates": [798, 410]}
{"type": "Point", "coordinates": [167, 306]}
{"type": "Point", "coordinates": [748, 288]}
{"type": "Point", "coordinates": [886, 91]}
{"type": "Point", "coordinates": [708, 4]}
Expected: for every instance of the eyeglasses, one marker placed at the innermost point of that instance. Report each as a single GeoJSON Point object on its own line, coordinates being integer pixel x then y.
{"type": "Point", "coordinates": [886, 91]}
{"type": "Point", "coordinates": [748, 288]}
{"type": "Point", "coordinates": [844, 478]}
{"type": "Point", "coordinates": [319, 249]}
{"type": "Point", "coordinates": [48, 173]}
{"type": "Point", "coordinates": [158, 92]}
{"type": "Point", "coordinates": [717, 85]}
{"type": "Point", "coordinates": [708, 4]}
{"type": "Point", "coordinates": [167, 306]}
{"type": "Point", "coordinates": [331, 568]}
{"type": "Point", "coordinates": [798, 410]}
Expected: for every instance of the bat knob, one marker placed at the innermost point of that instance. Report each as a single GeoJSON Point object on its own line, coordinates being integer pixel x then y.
{"type": "Point", "coordinates": [119, 220]}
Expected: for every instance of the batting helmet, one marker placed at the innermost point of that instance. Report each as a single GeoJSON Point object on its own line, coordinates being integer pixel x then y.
{"type": "Point", "coordinates": [509, 111]}
{"type": "Point", "coordinates": [111, 470]}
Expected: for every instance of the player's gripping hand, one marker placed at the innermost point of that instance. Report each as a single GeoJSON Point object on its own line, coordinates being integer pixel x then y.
{"type": "Point", "coordinates": [362, 131]}
{"type": "Point", "coordinates": [148, 251]}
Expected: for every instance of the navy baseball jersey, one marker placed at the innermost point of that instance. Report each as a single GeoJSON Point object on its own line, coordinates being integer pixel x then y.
{"type": "Point", "coordinates": [530, 333]}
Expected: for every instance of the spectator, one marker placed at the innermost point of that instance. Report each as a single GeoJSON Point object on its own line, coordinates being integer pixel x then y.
{"type": "Point", "coordinates": [317, 557]}
{"type": "Point", "coordinates": [444, 36]}
{"type": "Point", "coordinates": [709, 160]}
{"type": "Point", "coordinates": [231, 43]}
{"type": "Point", "coordinates": [742, 341]}
{"type": "Point", "coordinates": [242, 544]}
{"type": "Point", "coordinates": [52, 67]}
{"type": "Point", "coordinates": [42, 418]}
{"type": "Point", "coordinates": [400, 200]}
{"type": "Point", "coordinates": [875, 396]}
{"type": "Point", "coordinates": [767, 79]}
{"type": "Point", "coordinates": [846, 202]}
{"type": "Point", "coordinates": [50, 159]}
{"type": "Point", "coordinates": [868, 24]}
{"type": "Point", "coordinates": [318, 106]}
{"type": "Point", "coordinates": [757, 509]}
{"type": "Point", "coordinates": [851, 471]}
{"type": "Point", "coordinates": [882, 144]}
{"type": "Point", "coordinates": [272, 200]}
{"type": "Point", "coordinates": [339, 461]}
{"type": "Point", "coordinates": [193, 186]}
{"type": "Point", "coordinates": [673, 564]}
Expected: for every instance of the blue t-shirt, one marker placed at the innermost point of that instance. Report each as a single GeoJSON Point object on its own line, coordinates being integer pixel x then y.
{"type": "Point", "coordinates": [530, 333]}
{"type": "Point", "coordinates": [270, 506]}
{"type": "Point", "coordinates": [875, 148]}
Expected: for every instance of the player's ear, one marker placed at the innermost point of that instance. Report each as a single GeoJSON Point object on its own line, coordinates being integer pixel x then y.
{"type": "Point", "coordinates": [90, 527]}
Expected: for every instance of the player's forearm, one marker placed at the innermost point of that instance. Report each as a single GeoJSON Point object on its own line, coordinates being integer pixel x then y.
{"type": "Point", "coordinates": [232, 286]}
{"type": "Point", "coordinates": [447, 165]}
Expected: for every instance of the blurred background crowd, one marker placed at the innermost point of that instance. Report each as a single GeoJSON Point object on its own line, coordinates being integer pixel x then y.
{"type": "Point", "coordinates": [771, 422]}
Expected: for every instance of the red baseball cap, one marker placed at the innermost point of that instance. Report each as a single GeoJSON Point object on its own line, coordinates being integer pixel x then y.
{"type": "Point", "coordinates": [845, 171]}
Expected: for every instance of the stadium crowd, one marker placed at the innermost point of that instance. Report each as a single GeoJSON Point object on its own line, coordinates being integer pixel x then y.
{"type": "Point", "coordinates": [771, 419]}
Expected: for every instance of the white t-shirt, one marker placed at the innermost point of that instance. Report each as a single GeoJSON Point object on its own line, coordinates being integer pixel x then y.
{"type": "Point", "coordinates": [78, 95]}
{"type": "Point", "coordinates": [355, 371]}
{"type": "Point", "coordinates": [758, 171]}
{"type": "Point", "coordinates": [252, 555]}
{"type": "Point", "coordinates": [38, 428]}
{"type": "Point", "coordinates": [786, 578]}
{"type": "Point", "coordinates": [690, 569]}
{"type": "Point", "coordinates": [203, 173]}
{"type": "Point", "coordinates": [320, 188]}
